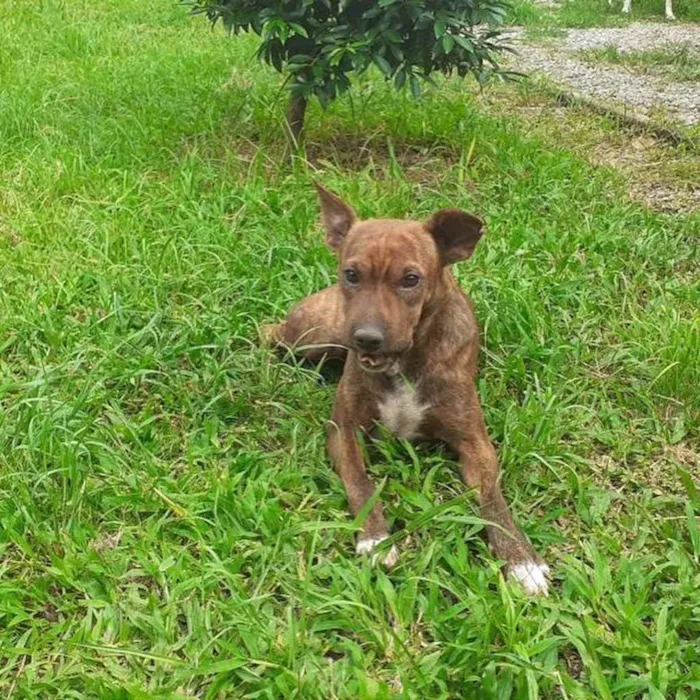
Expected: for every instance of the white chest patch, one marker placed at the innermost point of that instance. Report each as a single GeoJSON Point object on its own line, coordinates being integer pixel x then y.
{"type": "Point", "coordinates": [401, 411]}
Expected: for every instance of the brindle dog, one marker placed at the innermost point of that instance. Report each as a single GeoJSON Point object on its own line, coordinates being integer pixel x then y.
{"type": "Point", "coordinates": [411, 342]}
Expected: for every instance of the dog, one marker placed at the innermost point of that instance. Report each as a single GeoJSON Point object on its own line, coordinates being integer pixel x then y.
{"type": "Point", "coordinates": [409, 339]}
{"type": "Point", "coordinates": [627, 8]}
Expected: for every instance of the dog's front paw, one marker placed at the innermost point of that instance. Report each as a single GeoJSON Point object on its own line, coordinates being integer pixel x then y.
{"type": "Point", "coordinates": [532, 576]}
{"type": "Point", "coordinates": [368, 545]}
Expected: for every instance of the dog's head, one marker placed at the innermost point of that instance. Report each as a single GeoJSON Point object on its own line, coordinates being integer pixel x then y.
{"type": "Point", "coordinates": [389, 270]}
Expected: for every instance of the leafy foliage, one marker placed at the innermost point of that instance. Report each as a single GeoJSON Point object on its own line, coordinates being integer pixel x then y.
{"type": "Point", "coordinates": [319, 43]}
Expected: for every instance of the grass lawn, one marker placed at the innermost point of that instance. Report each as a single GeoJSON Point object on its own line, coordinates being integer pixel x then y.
{"type": "Point", "coordinates": [169, 523]}
{"type": "Point", "coordinates": [597, 13]}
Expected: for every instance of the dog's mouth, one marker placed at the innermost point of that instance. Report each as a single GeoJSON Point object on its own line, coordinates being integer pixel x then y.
{"type": "Point", "coordinates": [376, 362]}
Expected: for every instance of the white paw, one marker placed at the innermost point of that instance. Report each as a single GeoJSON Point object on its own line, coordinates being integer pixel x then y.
{"type": "Point", "coordinates": [532, 577]}
{"type": "Point", "coordinates": [368, 545]}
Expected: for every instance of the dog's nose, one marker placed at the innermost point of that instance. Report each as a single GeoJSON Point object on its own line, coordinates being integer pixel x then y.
{"type": "Point", "coordinates": [369, 338]}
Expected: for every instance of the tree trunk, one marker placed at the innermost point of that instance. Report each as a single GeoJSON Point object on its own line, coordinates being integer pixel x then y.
{"type": "Point", "coordinates": [296, 109]}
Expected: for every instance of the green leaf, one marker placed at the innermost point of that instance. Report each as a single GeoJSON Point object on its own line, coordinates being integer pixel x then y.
{"type": "Point", "coordinates": [599, 682]}
{"type": "Point", "coordinates": [532, 690]}
{"type": "Point", "coordinates": [301, 58]}
{"type": "Point", "coordinates": [327, 41]}
{"type": "Point", "coordinates": [383, 65]}
{"type": "Point", "coordinates": [275, 55]}
{"type": "Point", "coordinates": [690, 488]}
{"type": "Point", "coordinates": [448, 43]}
{"type": "Point", "coordinates": [466, 44]}
{"type": "Point", "coordinates": [655, 693]}
{"type": "Point", "coordinates": [298, 29]}
{"type": "Point", "coordinates": [661, 629]}
{"type": "Point", "coordinates": [693, 528]}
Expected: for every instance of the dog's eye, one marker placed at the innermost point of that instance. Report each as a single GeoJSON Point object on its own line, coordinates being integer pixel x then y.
{"type": "Point", "coordinates": [351, 276]}
{"type": "Point", "coordinates": [409, 281]}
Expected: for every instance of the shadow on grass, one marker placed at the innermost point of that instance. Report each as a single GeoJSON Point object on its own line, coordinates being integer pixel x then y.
{"type": "Point", "coordinates": [418, 160]}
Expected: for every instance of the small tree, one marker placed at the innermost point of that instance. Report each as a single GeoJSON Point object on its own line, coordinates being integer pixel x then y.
{"type": "Point", "coordinates": [319, 43]}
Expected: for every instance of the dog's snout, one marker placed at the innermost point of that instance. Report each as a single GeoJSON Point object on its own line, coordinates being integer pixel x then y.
{"type": "Point", "coordinates": [369, 338]}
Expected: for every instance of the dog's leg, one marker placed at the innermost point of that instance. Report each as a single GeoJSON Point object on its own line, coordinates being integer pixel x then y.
{"type": "Point", "coordinates": [479, 466]}
{"type": "Point", "coordinates": [346, 455]}
{"type": "Point", "coordinates": [312, 329]}
{"type": "Point", "coordinates": [627, 6]}
{"type": "Point", "coordinates": [669, 10]}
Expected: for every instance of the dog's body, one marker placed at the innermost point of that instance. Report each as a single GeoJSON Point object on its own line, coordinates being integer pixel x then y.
{"type": "Point", "coordinates": [412, 342]}
{"type": "Point", "coordinates": [627, 8]}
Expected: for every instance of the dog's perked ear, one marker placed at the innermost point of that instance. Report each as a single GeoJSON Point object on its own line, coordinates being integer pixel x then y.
{"type": "Point", "coordinates": [456, 233]}
{"type": "Point", "coordinates": [338, 217]}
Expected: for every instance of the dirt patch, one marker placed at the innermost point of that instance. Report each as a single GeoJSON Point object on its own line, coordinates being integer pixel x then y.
{"type": "Point", "coordinates": [644, 161]}
{"type": "Point", "coordinates": [684, 455]}
{"type": "Point", "coordinates": [421, 161]}
{"type": "Point", "coordinates": [9, 234]}
{"type": "Point", "coordinates": [657, 173]}
{"type": "Point", "coordinates": [107, 541]}
{"type": "Point", "coordinates": [574, 663]}
{"type": "Point", "coordinates": [658, 475]}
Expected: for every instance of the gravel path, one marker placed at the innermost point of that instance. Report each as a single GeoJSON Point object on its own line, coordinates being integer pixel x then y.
{"type": "Point", "coordinates": [643, 94]}
{"type": "Point", "coordinates": [640, 36]}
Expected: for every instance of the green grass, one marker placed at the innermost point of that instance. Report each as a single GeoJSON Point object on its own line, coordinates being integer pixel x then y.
{"type": "Point", "coordinates": [676, 61]}
{"type": "Point", "coordinates": [169, 524]}
{"type": "Point", "coordinates": [597, 13]}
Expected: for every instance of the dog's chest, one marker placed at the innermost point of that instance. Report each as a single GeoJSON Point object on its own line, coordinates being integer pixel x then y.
{"type": "Point", "coordinates": [401, 410]}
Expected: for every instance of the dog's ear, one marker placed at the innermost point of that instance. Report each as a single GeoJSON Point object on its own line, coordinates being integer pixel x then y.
{"type": "Point", "coordinates": [456, 234]}
{"type": "Point", "coordinates": [338, 217]}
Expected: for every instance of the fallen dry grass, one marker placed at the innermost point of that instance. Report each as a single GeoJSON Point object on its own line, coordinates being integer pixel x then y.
{"type": "Point", "coordinates": [662, 175]}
